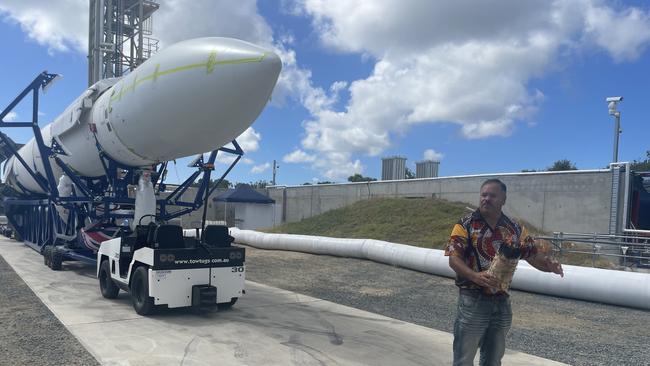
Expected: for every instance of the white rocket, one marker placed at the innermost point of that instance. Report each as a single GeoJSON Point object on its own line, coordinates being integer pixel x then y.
{"type": "Point", "coordinates": [191, 97]}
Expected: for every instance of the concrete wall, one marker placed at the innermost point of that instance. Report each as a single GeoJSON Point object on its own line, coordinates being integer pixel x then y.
{"type": "Point", "coordinates": [576, 201]}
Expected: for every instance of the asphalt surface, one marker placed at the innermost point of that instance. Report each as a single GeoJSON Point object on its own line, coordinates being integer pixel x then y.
{"type": "Point", "coordinates": [29, 333]}
{"type": "Point", "coordinates": [570, 331]}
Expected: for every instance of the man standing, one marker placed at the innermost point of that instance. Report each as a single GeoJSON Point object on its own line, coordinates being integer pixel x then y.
{"type": "Point", "coordinates": [484, 314]}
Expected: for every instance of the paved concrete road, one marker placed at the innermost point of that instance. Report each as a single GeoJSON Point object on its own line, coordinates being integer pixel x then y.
{"type": "Point", "coordinates": [268, 326]}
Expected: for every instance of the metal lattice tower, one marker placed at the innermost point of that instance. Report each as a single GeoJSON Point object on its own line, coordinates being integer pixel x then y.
{"type": "Point", "coordinates": [119, 39]}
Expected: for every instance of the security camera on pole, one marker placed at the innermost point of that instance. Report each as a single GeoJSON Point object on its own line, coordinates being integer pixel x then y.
{"type": "Point", "coordinates": [612, 104]}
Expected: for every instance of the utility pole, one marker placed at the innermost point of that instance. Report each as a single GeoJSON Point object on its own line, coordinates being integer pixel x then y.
{"type": "Point", "coordinates": [612, 104]}
{"type": "Point", "coordinates": [275, 170]}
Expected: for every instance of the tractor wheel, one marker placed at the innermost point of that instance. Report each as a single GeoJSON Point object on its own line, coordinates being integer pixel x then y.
{"type": "Point", "coordinates": [142, 302]}
{"type": "Point", "coordinates": [56, 261]}
{"type": "Point", "coordinates": [227, 305]}
{"type": "Point", "coordinates": [106, 285]}
{"type": "Point", "coordinates": [47, 256]}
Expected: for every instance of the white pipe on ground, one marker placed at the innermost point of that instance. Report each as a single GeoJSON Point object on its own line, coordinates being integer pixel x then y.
{"type": "Point", "coordinates": [592, 284]}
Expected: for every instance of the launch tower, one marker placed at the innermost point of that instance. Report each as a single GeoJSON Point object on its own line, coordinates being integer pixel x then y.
{"type": "Point", "coordinates": [119, 39]}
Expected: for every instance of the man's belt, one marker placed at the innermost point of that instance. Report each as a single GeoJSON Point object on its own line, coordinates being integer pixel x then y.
{"type": "Point", "coordinates": [479, 293]}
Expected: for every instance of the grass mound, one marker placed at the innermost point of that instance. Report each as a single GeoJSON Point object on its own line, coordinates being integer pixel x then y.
{"type": "Point", "coordinates": [423, 222]}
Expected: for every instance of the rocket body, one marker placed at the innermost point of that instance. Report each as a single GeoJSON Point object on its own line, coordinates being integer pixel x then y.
{"type": "Point", "coordinates": [191, 97]}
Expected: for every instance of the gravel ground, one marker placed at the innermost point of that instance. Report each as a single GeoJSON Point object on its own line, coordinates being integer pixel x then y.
{"type": "Point", "coordinates": [29, 333]}
{"type": "Point", "coordinates": [571, 331]}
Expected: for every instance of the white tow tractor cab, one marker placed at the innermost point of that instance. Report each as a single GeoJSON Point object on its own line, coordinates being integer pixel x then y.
{"type": "Point", "coordinates": [159, 267]}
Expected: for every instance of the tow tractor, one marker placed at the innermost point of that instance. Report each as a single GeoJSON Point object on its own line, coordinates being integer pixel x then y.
{"type": "Point", "coordinates": [161, 267]}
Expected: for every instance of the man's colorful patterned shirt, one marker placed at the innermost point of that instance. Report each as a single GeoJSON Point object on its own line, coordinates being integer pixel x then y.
{"type": "Point", "coordinates": [486, 242]}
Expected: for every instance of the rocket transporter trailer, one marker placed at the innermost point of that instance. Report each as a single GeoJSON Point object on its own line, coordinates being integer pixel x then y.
{"type": "Point", "coordinates": [88, 185]}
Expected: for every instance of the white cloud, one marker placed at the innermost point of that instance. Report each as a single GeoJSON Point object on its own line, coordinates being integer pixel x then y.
{"type": "Point", "coordinates": [337, 165]}
{"type": "Point", "coordinates": [59, 26]}
{"type": "Point", "coordinates": [249, 140]}
{"type": "Point", "coordinates": [624, 34]}
{"type": "Point", "coordinates": [332, 165]}
{"type": "Point", "coordinates": [295, 82]}
{"type": "Point", "coordinates": [462, 62]}
{"type": "Point", "coordinates": [413, 25]}
{"type": "Point", "coordinates": [435, 86]}
{"type": "Point", "coordinates": [227, 159]}
{"type": "Point", "coordinates": [430, 154]}
{"type": "Point", "coordinates": [257, 169]}
{"type": "Point", "coordinates": [11, 116]}
{"type": "Point", "coordinates": [298, 156]}
{"type": "Point", "coordinates": [338, 86]}
{"type": "Point", "coordinates": [177, 20]}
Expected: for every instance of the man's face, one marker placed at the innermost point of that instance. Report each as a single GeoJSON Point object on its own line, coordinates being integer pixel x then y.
{"type": "Point", "coordinates": [492, 199]}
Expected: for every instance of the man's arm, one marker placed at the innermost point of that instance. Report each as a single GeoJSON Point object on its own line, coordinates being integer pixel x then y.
{"type": "Point", "coordinates": [536, 258]}
{"type": "Point", "coordinates": [482, 279]}
{"type": "Point", "coordinates": [546, 264]}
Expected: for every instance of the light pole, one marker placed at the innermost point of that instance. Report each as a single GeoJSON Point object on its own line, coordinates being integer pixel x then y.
{"type": "Point", "coordinates": [612, 104]}
{"type": "Point", "coordinates": [275, 169]}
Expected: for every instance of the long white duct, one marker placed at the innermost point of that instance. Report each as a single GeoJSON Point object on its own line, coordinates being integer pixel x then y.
{"type": "Point", "coordinates": [592, 284]}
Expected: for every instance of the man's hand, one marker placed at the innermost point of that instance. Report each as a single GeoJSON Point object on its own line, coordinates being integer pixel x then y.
{"type": "Point", "coordinates": [554, 266]}
{"type": "Point", "coordinates": [546, 264]}
{"type": "Point", "coordinates": [485, 279]}
{"type": "Point", "coordinates": [482, 279]}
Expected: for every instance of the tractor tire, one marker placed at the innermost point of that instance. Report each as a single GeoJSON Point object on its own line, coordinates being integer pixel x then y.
{"type": "Point", "coordinates": [227, 305]}
{"type": "Point", "coordinates": [142, 302]}
{"type": "Point", "coordinates": [56, 261]}
{"type": "Point", "coordinates": [106, 285]}
{"type": "Point", "coordinates": [47, 256]}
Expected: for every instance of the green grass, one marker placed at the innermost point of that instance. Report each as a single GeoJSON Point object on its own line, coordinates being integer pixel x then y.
{"type": "Point", "coordinates": [421, 222]}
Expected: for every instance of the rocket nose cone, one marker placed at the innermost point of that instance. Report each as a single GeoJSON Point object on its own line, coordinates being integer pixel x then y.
{"type": "Point", "coordinates": [201, 93]}
{"type": "Point", "coordinates": [258, 67]}
{"type": "Point", "coordinates": [263, 75]}
{"type": "Point", "coordinates": [273, 62]}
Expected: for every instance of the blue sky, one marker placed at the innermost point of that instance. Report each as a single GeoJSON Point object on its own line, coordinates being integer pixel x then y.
{"type": "Point", "coordinates": [484, 87]}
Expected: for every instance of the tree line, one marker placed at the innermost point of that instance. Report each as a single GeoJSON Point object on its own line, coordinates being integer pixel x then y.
{"type": "Point", "coordinates": [641, 165]}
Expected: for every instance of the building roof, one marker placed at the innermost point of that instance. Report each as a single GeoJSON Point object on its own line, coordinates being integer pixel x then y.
{"type": "Point", "coordinates": [243, 193]}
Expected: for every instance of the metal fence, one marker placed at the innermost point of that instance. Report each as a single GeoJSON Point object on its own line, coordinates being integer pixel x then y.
{"type": "Point", "coordinates": [627, 250]}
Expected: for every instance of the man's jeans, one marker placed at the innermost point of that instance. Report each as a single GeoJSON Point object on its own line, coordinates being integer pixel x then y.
{"type": "Point", "coordinates": [481, 321]}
